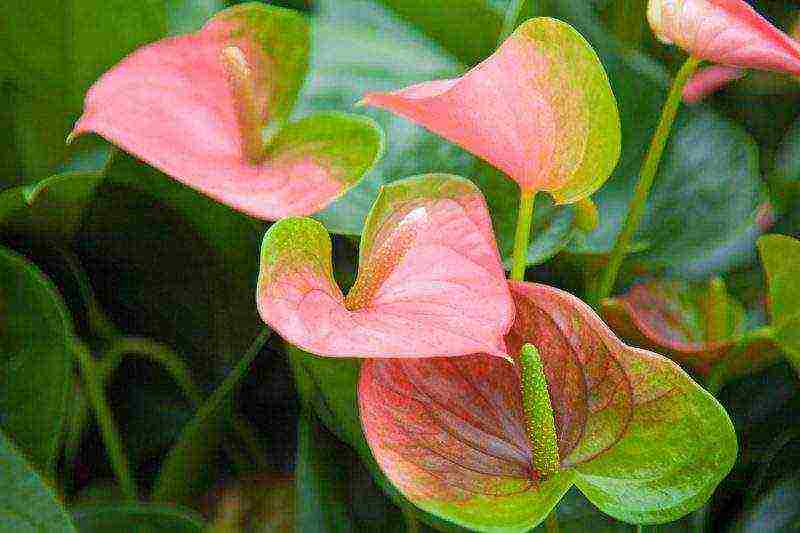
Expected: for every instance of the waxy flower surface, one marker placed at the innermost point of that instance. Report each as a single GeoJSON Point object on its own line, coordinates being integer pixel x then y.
{"type": "Point", "coordinates": [430, 281]}
{"type": "Point", "coordinates": [540, 109]}
{"type": "Point", "coordinates": [635, 434]}
{"type": "Point", "coordinates": [211, 109]}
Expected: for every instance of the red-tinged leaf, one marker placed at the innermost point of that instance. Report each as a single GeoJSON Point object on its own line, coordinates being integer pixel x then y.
{"type": "Point", "coordinates": [430, 280]}
{"type": "Point", "coordinates": [729, 32]}
{"type": "Point", "coordinates": [642, 440]}
{"type": "Point", "coordinates": [690, 322]}
{"type": "Point", "coordinates": [209, 109]}
{"type": "Point", "coordinates": [540, 109]}
{"type": "Point", "coordinates": [709, 80]}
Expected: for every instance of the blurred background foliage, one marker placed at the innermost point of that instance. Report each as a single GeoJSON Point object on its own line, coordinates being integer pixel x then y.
{"type": "Point", "coordinates": [159, 281]}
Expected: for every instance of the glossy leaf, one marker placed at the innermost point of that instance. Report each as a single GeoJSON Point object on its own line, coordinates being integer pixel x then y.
{"type": "Point", "coordinates": [780, 255]}
{"type": "Point", "coordinates": [218, 100]}
{"type": "Point", "coordinates": [546, 71]}
{"type": "Point", "coordinates": [430, 280]}
{"type": "Point", "coordinates": [26, 502]}
{"type": "Point", "coordinates": [643, 441]}
{"type": "Point", "coordinates": [36, 358]}
{"type": "Point", "coordinates": [139, 517]}
{"type": "Point", "coordinates": [340, 73]}
{"type": "Point", "coordinates": [729, 32]}
{"type": "Point", "coordinates": [694, 323]}
{"type": "Point", "coordinates": [51, 209]}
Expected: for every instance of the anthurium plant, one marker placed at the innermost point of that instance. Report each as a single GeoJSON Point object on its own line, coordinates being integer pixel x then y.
{"type": "Point", "coordinates": [376, 265]}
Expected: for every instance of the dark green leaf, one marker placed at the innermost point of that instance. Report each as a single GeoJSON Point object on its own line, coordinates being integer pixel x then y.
{"type": "Point", "coordinates": [341, 73]}
{"type": "Point", "coordinates": [35, 359]}
{"type": "Point", "coordinates": [141, 518]}
{"type": "Point", "coordinates": [26, 503]}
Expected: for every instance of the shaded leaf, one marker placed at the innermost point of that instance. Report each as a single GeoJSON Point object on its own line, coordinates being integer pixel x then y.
{"type": "Point", "coordinates": [26, 503]}
{"type": "Point", "coordinates": [546, 71]}
{"type": "Point", "coordinates": [643, 441]}
{"type": "Point", "coordinates": [139, 517]}
{"type": "Point", "coordinates": [430, 280]}
{"type": "Point", "coordinates": [729, 32]}
{"type": "Point", "coordinates": [780, 255]}
{"type": "Point", "coordinates": [35, 359]}
{"type": "Point", "coordinates": [340, 74]}
{"type": "Point", "coordinates": [51, 209]}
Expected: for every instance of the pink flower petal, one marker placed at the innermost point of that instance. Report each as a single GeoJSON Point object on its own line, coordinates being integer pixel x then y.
{"type": "Point", "coordinates": [450, 433]}
{"type": "Point", "coordinates": [540, 109]}
{"type": "Point", "coordinates": [729, 32]}
{"type": "Point", "coordinates": [430, 280]}
{"type": "Point", "coordinates": [709, 80]}
{"type": "Point", "coordinates": [178, 105]}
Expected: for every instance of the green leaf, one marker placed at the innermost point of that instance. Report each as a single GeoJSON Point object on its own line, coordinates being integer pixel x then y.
{"type": "Point", "coordinates": [781, 257]}
{"type": "Point", "coordinates": [35, 376]}
{"type": "Point", "coordinates": [26, 503]}
{"type": "Point", "coordinates": [644, 477]}
{"type": "Point", "coordinates": [320, 480]}
{"type": "Point", "coordinates": [468, 29]}
{"type": "Point", "coordinates": [138, 517]}
{"type": "Point", "coordinates": [184, 16]}
{"type": "Point", "coordinates": [341, 73]}
{"type": "Point", "coordinates": [50, 209]}
{"type": "Point", "coordinates": [146, 234]}
{"type": "Point", "coordinates": [52, 51]}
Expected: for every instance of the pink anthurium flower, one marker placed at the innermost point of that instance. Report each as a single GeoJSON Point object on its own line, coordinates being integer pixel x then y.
{"type": "Point", "coordinates": [699, 325]}
{"type": "Point", "coordinates": [540, 109]}
{"type": "Point", "coordinates": [728, 32]}
{"type": "Point", "coordinates": [634, 433]}
{"type": "Point", "coordinates": [211, 110]}
{"type": "Point", "coordinates": [430, 281]}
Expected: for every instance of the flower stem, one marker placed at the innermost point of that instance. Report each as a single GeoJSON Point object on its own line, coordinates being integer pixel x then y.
{"type": "Point", "coordinates": [105, 421]}
{"type": "Point", "coordinates": [523, 235]}
{"type": "Point", "coordinates": [646, 177]}
{"type": "Point", "coordinates": [539, 419]}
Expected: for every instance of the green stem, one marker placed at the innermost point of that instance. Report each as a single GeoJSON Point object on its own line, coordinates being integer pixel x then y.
{"type": "Point", "coordinates": [510, 20]}
{"type": "Point", "coordinates": [646, 177]}
{"type": "Point", "coordinates": [522, 235]}
{"type": "Point", "coordinates": [194, 429]}
{"type": "Point", "coordinates": [539, 419]}
{"type": "Point", "coordinates": [551, 522]}
{"type": "Point", "coordinates": [105, 421]}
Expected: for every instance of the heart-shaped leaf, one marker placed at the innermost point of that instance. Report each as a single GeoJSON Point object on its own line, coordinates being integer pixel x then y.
{"type": "Point", "coordinates": [781, 257]}
{"type": "Point", "coordinates": [217, 104]}
{"type": "Point", "coordinates": [695, 323]}
{"type": "Point", "coordinates": [430, 280]}
{"type": "Point", "coordinates": [729, 32]}
{"type": "Point", "coordinates": [643, 441]}
{"type": "Point", "coordinates": [35, 359]}
{"type": "Point", "coordinates": [549, 75]}
{"type": "Point", "coordinates": [26, 503]}
{"type": "Point", "coordinates": [139, 517]}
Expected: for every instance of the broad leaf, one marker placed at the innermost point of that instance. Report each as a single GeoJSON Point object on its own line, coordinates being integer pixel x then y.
{"type": "Point", "coordinates": [51, 209]}
{"type": "Point", "coordinates": [217, 102]}
{"type": "Point", "coordinates": [430, 280]}
{"type": "Point", "coordinates": [695, 323]}
{"type": "Point", "coordinates": [139, 517]}
{"type": "Point", "coordinates": [781, 257]}
{"type": "Point", "coordinates": [341, 72]}
{"type": "Point", "coordinates": [547, 73]}
{"type": "Point", "coordinates": [35, 359]}
{"type": "Point", "coordinates": [643, 441]}
{"type": "Point", "coordinates": [26, 503]}
{"type": "Point", "coordinates": [729, 32]}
